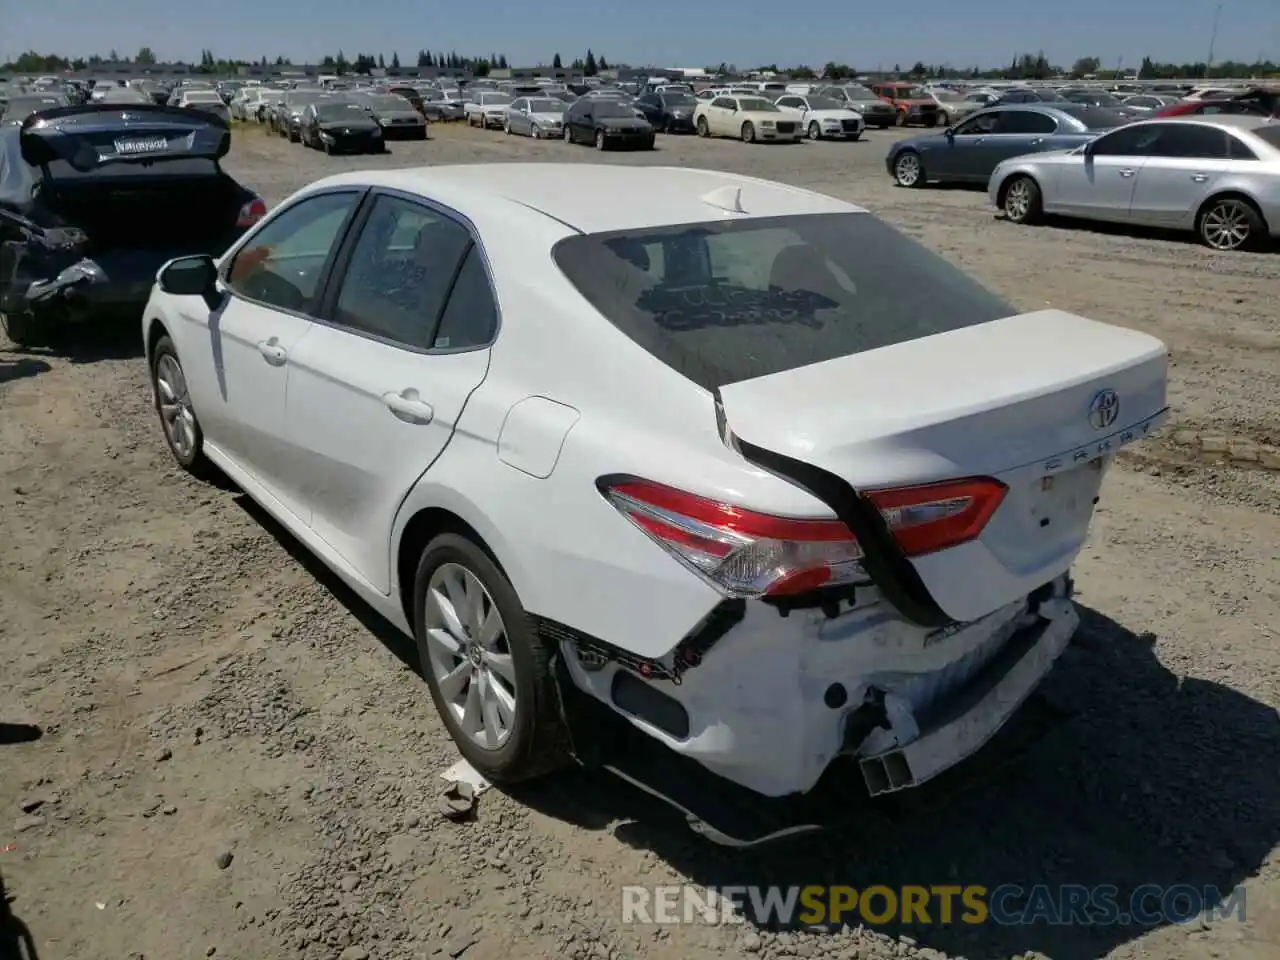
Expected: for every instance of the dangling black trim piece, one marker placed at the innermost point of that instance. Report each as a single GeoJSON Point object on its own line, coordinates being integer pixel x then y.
{"type": "Point", "coordinates": [884, 560]}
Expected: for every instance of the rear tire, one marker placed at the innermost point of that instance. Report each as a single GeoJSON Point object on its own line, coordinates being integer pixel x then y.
{"type": "Point", "coordinates": [1022, 202]}
{"type": "Point", "coordinates": [24, 331]}
{"type": "Point", "coordinates": [517, 665]}
{"type": "Point", "coordinates": [1230, 223]}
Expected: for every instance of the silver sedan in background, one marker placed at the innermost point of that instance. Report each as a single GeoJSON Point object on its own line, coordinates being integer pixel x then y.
{"type": "Point", "coordinates": [1218, 176]}
{"type": "Point", "coordinates": [536, 117]}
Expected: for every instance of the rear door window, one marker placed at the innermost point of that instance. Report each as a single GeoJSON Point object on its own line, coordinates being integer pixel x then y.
{"type": "Point", "coordinates": [402, 267]}
{"type": "Point", "coordinates": [1025, 121]}
{"type": "Point", "coordinates": [727, 301]}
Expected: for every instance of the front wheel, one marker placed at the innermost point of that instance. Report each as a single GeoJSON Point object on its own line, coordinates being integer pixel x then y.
{"type": "Point", "coordinates": [901, 120]}
{"type": "Point", "coordinates": [182, 430]}
{"type": "Point", "coordinates": [601, 140]}
{"type": "Point", "coordinates": [489, 673]}
{"type": "Point", "coordinates": [703, 129]}
{"type": "Point", "coordinates": [748, 133]}
{"type": "Point", "coordinates": [908, 171]}
{"type": "Point", "coordinates": [535, 133]}
{"type": "Point", "coordinates": [1230, 223]}
{"type": "Point", "coordinates": [568, 135]}
{"type": "Point", "coordinates": [1022, 201]}
{"type": "Point", "coordinates": [815, 131]}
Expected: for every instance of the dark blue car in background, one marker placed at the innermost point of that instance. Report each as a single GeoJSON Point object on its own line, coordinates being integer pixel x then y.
{"type": "Point", "coordinates": [969, 151]}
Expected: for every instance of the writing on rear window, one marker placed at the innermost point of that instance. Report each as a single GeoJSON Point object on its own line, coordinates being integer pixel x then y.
{"type": "Point", "coordinates": [729, 300]}
{"type": "Point", "coordinates": [142, 145]}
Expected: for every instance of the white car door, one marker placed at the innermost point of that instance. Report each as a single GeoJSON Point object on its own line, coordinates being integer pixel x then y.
{"type": "Point", "coordinates": [1183, 169]}
{"type": "Point", "coordinates": [1099, 182]}
{"type": "Point", "coordinates": [720, 114]}
{"type": "Point", "coordinates": [236, 356]}
{"type": "Point", "coordinates": [376, 389]}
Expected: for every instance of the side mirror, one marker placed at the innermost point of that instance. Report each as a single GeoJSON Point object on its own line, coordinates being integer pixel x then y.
{"type": "Point", "coordinates": [189, 276]}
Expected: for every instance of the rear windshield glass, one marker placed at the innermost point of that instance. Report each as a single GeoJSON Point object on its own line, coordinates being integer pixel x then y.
{"type": "Point", "coordinates": [1269, 134]}
{"type": "Point", "coordinates": [727, 301]}
{"type": "Point", "coordinates": [1095, 118]}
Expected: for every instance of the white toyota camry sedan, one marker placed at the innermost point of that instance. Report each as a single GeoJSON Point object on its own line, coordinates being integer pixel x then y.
{"type": "Point", "coordinates": [734, 459]}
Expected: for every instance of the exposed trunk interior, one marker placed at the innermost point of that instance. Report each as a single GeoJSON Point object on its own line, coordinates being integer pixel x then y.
{"type": "Point", "coordinates": [148, 210]}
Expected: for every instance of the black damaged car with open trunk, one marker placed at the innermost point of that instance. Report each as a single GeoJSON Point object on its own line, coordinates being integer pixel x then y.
{"type": "Point", "coordinates": [94, 199]}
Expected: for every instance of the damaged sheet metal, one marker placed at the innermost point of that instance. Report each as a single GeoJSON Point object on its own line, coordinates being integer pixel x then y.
{"type": "Point", "coordinates": [40, 264]}
{"type": "Point", "coordinates": [79, 274]}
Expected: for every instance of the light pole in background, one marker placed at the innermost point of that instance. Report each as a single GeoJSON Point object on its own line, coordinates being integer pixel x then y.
{"type": "Point", "coordinates": [1213, 39]}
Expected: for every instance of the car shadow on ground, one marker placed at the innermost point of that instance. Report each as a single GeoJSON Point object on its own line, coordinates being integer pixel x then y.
{"type": "Point", "coordinates": [386, 633]}
{"type": "Point", "coordinates": [1184, 238]}
{"type": "Point", "coordinates": [22, 368]}
{"type": "Point", "coordinates": [1151, 778]}
{"type": "Point", "coordinates": [88, 343]}
{"type": "Point", "coordinates": [1147, 778]}
{"type": "Point", "coordinates": [16, 942]}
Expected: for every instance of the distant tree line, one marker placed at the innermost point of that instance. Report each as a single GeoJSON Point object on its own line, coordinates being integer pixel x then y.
{"type": "Point", "coordinates": [1025, 66]}
{"type": "Point", "coordinates": [1032, 66]}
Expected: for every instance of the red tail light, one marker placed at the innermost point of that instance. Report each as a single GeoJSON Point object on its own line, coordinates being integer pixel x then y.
{"type": "Point", "coordinates": [747, 554]}
{"type": "Point", "coordinates": [936, 516]}
{"type": "Point", "coordinates": [739, 552]}
{"type": "Point", "coordinates": [251, 213]}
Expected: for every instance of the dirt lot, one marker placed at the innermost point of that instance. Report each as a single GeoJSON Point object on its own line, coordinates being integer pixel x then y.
{"type": "Point", "coordinates": [207, 692]}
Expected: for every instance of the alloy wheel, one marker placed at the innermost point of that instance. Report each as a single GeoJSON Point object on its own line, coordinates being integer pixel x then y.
{"type": "Point", "coordinates": [1017, 201]}
{"type": "Point", "coordinates": [907, 169]}
{"type": "Point", "coordinates": [470, 656]}
{"type": "Point", "coordinates": [176, 413]}
{"type": "Point", "coordinates": [1226, 225]}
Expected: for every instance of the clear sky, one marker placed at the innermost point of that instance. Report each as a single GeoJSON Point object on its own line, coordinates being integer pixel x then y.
{"type": "Point", "coordinates": [659, 32]}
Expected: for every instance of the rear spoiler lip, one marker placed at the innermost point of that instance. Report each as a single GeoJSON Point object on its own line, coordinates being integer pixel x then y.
{"type": "Point", "coordinates": [153, 109]}
{"type": "Point", "coordinates": [40, 130]}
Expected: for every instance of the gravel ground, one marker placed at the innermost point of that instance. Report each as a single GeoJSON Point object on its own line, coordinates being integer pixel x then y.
{"type": "Point", "coordinates": [240, 760]}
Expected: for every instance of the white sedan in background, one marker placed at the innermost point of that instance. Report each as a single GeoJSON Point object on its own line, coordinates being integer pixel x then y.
{"type": "Point", "coordinates": [822, 118]}
{"type": "Point", "coordinates": [731, 459]}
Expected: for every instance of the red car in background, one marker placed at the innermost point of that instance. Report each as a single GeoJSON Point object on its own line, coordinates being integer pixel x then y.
{"type": "Point", "coordinates": [1259, 103]}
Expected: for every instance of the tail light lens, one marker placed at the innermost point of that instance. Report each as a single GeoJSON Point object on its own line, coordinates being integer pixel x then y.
{"type": "Point", "coordinates": [935, 516]}
{"type": "Point", "coordinates": [747, 554]}
{"type": "Point", "coordinates": [739, 552]}
{"type": "Point", "coordinates": [252, 212]}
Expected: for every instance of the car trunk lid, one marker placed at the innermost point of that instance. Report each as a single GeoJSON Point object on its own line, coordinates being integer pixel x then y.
{"type": "Point", "coordinates": [1039, 401]}
{"type": "Point", "coordinates": [89, 136]}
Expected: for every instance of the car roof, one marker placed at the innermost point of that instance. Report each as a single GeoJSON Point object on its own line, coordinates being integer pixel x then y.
{"type": "Point", "coordinates": [596, 198]}
{"type": "Point", "coordinates": [1237, 121]}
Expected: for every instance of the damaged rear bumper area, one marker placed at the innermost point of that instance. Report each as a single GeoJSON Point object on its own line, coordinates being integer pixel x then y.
{"type": "Point", "coordinates": [47, 279]}
{"type": "Point", "coordinates": [773, 701]}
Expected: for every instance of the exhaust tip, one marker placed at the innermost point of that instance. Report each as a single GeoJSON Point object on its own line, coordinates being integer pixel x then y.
{"type": "Point", "coordinates": [887, 773]}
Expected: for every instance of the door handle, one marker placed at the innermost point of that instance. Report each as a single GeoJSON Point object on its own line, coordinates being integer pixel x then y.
{"type": "Point", "coordinates": [272, 352]}
{"type": "Point", "coordinates": [408, 406]}
{"type": "Point", "coordinates": [1127, 172]}
{"type": "Point", "coordinates": [978, 139]}
{"type": "Point", "coordinates": [1199, 177]}
{"type": "Point", "coordinates": [1037, 141]}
